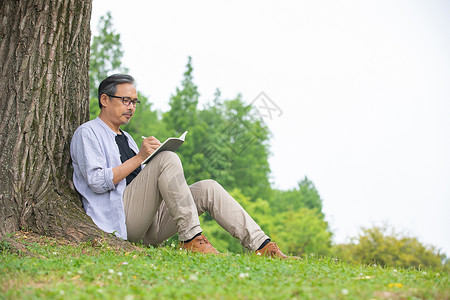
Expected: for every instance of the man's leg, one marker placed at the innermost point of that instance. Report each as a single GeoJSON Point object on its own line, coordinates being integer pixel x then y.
{"type": "Point", "coordinates": [211, 197]}
{"type": "Point", "coordinates": [162, 178]}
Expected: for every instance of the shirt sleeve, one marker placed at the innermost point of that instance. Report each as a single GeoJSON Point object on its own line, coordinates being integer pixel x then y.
{"type": "Point", "coordinates": [88, 157]}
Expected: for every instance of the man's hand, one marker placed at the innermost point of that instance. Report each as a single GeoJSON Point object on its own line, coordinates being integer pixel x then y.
{"type": "Point", "coordinates": [149, 145]}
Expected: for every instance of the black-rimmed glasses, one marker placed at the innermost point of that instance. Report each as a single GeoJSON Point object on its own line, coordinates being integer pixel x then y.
{"type": "Point", "coordinates": [127, 100]}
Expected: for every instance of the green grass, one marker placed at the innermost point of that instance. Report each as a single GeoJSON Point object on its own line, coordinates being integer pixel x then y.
{"type": "Point", "coordinates": [59, 271]}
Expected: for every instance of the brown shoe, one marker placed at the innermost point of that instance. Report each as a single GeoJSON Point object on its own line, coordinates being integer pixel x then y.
{"type": "Point", "coordinates": [272, 250]}
{"type": "Point", "coordinates": [200, 245]}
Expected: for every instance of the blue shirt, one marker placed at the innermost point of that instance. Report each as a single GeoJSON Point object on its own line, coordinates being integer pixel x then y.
{"type": "Point", "coordinates": [95, 153]}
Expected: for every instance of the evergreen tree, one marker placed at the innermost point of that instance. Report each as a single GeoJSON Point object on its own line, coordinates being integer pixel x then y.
{"type": "Point", "coordinates": [183, 105]}
{"type": "Point", "coordinates": [106, 54]}
{"type": "Point", "coordinates": [304, 196]}
{"type": "Point", "coordinates": [106, 59]}
{"type": "Point", "coordinates": [182, 116]}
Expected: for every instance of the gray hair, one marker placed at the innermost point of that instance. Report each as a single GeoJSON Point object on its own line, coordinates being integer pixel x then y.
{"type": "Point", "coordinates": [109, 85]}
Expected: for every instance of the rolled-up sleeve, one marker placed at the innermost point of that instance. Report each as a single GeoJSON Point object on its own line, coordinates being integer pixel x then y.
{"type": "Point", "coordinates": [90, 160]}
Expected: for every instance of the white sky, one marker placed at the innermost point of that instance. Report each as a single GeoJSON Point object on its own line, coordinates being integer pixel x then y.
{"type": "Point", "coordinates": [364, 89]}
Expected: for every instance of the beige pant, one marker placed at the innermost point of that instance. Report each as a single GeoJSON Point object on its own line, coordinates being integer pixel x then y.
{"type": "Point", "coordinates": [159, 203]}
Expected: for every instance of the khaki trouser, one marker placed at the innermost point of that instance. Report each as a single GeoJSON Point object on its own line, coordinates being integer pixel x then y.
{"type": "Point", "coordinates": [159, 203]}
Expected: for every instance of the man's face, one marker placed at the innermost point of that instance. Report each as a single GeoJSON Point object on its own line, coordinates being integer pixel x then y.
{"type": "Point", "coordinates": [116, 112]}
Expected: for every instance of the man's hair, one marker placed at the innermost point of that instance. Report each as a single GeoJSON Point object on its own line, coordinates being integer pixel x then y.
{"type": "Point", "coordinates": [109, 85]}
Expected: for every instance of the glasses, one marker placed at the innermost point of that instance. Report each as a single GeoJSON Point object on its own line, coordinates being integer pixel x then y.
{"type": "Point", "coordinates": [127, 100]}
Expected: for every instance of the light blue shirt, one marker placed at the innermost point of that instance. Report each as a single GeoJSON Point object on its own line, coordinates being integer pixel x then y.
{"type": "Point", "coordinates": [94, 154]}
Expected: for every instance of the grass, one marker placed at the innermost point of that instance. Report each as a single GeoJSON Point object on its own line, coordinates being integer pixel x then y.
{"type": "Point", "coordinates": [58, 270]}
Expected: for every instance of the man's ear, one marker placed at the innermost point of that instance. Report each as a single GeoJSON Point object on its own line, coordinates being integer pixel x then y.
{"type": "Point", "coordinates": [104, 100]}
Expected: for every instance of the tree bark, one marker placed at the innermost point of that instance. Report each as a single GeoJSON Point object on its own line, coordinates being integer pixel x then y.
{"type": "Point", "coordinates": [44, 54]}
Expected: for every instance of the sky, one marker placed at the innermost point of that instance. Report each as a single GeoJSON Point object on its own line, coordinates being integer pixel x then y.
{"type": "Point", "coordinates": [358, 94]}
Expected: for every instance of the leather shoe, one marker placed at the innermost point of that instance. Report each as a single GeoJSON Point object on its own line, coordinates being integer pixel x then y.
{"type": "Point", "coordinates": [200, 245]}
{"type": "Point", "coordinates": [272, 250]}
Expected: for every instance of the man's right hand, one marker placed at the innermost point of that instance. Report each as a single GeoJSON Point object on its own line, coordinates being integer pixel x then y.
{"type": "Point", "coordinates": [149, 145]}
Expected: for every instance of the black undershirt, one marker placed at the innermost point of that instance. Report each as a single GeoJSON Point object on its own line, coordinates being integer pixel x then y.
{"type": "Point", "coordinates": [126, 153]}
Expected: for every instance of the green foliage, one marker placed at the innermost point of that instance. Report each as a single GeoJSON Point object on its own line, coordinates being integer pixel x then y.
{"type": "Point", "coordinates": [183, 105]}
{"type": "Point", "coordinates": [106, 59]}
{"type": "Point", "coordinates": [385, 247]}
{"type": "Point", "coordinates": [226, 142]}
{"type": "Point", "coordinates": [235, 148]}
{"type": "Point", "coordinates": [94, 109]}
{"type": "Point", "coordinates": [302, 231]}
{"type": "Point", "coordinates": [182, 116]}
{"type": "Point", "coordinates": [305, 196]}
{"type": "Point", "coordinates": [4, 246]}
{"type": "Point", "coordinates": [295, 231]}
{"type": "Point", "coordinates": [106, 54]}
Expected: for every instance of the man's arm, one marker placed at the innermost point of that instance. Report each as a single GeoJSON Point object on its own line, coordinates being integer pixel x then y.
{"type": "Point", "coordinates": [149, 145]}
{"type": "Point", "coordinates": [89, 162]}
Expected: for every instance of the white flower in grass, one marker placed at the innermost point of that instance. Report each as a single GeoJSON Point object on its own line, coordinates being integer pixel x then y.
{"type": "Point", "coordinates": [258, 253]}
{"type": "Point", "coordinates": [61, 292]}
{"type": "Point", "coordinates": [172, 245]}
{"type": "Point", "coordinates": [119, 273]}
{"type": "Point", "coordinates": [193, 277]}
{"type": "Point", "coordinates": [344, 292]}
{"type": "Point", "coordinates": [111, 271]}
{"type": "Point", "coordinates": [247, 268]}
{"type": "Point", "coordinates": [243, 275]}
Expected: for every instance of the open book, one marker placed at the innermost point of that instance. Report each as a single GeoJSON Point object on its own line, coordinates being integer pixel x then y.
{"type": "Point", "coordinates": [171, 144]}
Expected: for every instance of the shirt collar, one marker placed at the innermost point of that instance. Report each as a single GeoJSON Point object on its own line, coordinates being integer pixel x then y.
{"type": "Point", "coordinates": [105, 127]}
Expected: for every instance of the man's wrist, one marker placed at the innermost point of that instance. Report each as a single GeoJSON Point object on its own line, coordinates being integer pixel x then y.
{"type": "Point", "coordinates": [140, 158]}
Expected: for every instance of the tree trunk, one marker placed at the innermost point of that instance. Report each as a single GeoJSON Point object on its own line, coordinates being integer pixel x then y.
{"type": "Point", "coordinates": [44, 55]}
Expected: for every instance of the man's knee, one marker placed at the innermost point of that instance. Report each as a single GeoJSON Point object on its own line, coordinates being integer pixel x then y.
{"type": "Point", "coordinates": [169, 156]}
{"type": "Point", "coordinates": [207, 184]}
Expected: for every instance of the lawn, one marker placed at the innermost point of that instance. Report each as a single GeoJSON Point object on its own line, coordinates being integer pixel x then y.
{"type": "Point", "coordinates": [59, 270]}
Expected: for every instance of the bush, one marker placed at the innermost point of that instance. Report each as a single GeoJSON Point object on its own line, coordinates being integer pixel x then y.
{"type": "Point", "coordinates": [386, 247]}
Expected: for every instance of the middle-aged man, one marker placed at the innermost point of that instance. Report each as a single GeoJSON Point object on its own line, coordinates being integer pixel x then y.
{"type": "Point", "coordinates": [154, 202]}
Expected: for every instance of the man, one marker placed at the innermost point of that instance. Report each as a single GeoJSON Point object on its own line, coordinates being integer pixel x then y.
{"type": "Point", "coordinates": [151, 203]}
